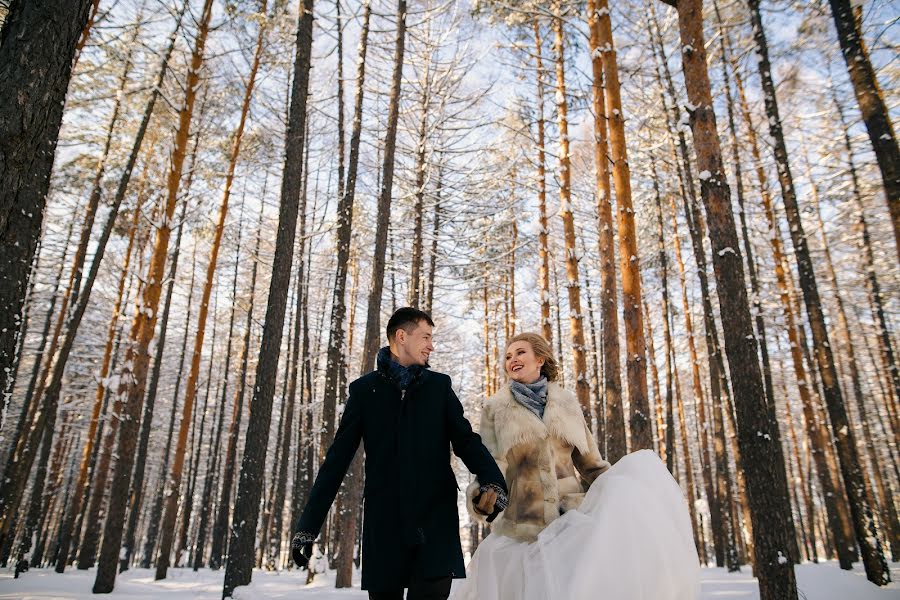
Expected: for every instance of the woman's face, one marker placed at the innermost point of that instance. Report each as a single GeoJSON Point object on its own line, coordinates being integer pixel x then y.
{"type": "Point", "coordinates": [521, 363]}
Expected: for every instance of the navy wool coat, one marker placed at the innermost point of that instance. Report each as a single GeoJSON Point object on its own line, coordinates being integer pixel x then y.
{"type": "Point", "coordinates": [411, 523]}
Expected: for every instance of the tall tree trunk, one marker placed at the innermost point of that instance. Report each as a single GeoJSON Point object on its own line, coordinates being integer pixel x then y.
{"type": "Point", "coordinates": [688, 195]}
{"type": "Point", "coordinates": [36, 51]}
{"type": "Point", "coordinates": [156, 512]}
{"type": "Point", "coordinates": [826, 468]}
{"type": "Point", "coordinates": [847, 20]}
{"type": "Point", "coordinates": [614, 422]}
{"type": "Point", "coordinates": [88, 550]}
{"type": "Point", "coordinates": [435, 236]}
{"type": "Point", "coordinates": [415, 278]}
{"type": "Point", "coordinates": [137, 358]}
{"type": "Point", "coordinates": [137, 481]}
{"type": "Point", "coordinates": [336, 367]}
{"type": "Point", "coordinates": [220, 529]}
{"type": "Point", "coordinates": [860, 507]}
{"type": "Point", "coordinates": [373, 317]}
{"type": "Point", "coordinates": [335, 370]}
{"type": "Point", "coordinates": [576, 318]}
{"type": "Point", "coordinates": [629, 261]}
{"type": "Point", "coordinates": [238, 569]}
{"type": "Point", "coordinates": [770, 516]}
{"type": "Point", "coordinates": [724, 45]}
{"type": "Point", "coordinates": [544, 231]}
{"type": "Point", "coordinates": [171, 505]}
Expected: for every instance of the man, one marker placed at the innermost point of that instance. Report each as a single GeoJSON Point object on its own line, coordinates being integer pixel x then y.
{"type": "Point", "coordinates": [408, 418]}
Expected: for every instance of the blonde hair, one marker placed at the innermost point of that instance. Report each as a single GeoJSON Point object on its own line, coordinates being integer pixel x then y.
{"type": "Point", "coordinates": [541, 348]}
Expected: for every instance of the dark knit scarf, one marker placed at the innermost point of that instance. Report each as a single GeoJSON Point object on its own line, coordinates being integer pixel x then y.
{"type": "Point", "coordinates": [532, 396]}
{"type": "Point", "coordinates": [403, 377]}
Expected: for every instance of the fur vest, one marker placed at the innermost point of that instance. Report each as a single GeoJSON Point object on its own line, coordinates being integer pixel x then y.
{"type": "Point", "coordinates": [548, 464]}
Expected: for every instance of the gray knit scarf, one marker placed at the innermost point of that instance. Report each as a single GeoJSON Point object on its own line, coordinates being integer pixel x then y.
{"type": "Point", "coordinates": [532, 396]}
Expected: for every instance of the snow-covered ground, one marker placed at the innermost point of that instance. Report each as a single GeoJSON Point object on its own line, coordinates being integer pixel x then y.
{"type": "Point", "coordinates": [817, 582]}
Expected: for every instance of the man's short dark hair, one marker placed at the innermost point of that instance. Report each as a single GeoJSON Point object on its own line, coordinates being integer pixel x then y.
{"type": "Point", "coordinates": [406, 318]}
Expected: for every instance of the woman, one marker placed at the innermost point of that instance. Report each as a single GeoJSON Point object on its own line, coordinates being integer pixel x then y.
{"type": "Point", "coordinates": [575, 528]}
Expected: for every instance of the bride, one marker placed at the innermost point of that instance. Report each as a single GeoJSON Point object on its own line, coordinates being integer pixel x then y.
{"type": "Point", "coordinates": [575, 527]}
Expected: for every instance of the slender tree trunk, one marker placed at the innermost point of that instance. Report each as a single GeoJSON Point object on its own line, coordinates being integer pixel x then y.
{"type": "Point", "coordinates": [137, 482]}
{"type": "Point", "coordinates": [38, 44]}
{"type": "Point", "coordinates": [220, 529]}
{"type": "Point", "coordinates": [614, 422]}
{"type": "Point", "coordinates": [576, 318]}
{"type": "Point", "coordinates": [171, 505]}
{"type": "Point", "coordinates": [544, 232]}
{"type": "Point", "coordinates": [847, 21]}
{"type": "Point", "coordinates": [888, 511]}
{"type": "Point", "coordinates": [156, 512]}
{"type": "Point", "coordinates": [725, 47]}
{"type": "Point", "coordinates": [770, 516]}
{"type": "Point", "coordinates": [373, 320]}
{"type": "Point", "coordinates": [88, 550]}
{"type": "Point", "coordinates": [336, 367]}
{"type": "Point", "coordinates": [415, 278]}
{"type": "Point", "coordinates": [435, 236]}
{"type": "Point", "coordinates": [137, 358]}
{"type": "Point", "coordinates": [238, 569]}
{"type": "Point", "coordinates": [685, 178]}
{"type": "Point", "coordinates": [860, 507]}
{"type": "Point", "coordinates": [629, 261]}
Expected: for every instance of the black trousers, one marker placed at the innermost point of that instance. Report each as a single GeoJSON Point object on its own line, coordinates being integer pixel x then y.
{"type": "Point", "coordinates": [419, 589]}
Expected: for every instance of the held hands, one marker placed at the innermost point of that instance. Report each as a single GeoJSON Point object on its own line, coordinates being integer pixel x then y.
{"type": "Point", "coordinates": [490, 501]}
{"type": "Point", "coordinates": [301, 548]}
{"type": "Point", "coordinates": [485, 501]}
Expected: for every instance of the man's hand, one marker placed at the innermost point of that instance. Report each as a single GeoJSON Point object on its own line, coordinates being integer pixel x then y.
{"type": "Point", "coordinates": [301, 549]}
{"type": "Point", "coordinates": [485, 501]}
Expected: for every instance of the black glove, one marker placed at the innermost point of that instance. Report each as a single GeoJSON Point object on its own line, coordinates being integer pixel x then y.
{"type": "Point", "coordinates": [301, 548]}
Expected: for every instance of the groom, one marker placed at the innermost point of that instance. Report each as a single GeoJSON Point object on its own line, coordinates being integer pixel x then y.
{"type": "Point", "coordinates": [408, 418]}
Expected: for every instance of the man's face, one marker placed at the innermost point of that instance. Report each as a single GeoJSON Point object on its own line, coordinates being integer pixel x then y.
{"type": "Point", "coordinates": [414, 346]}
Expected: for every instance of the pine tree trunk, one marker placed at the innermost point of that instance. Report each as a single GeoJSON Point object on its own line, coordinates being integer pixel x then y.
{"type": "Point", "coordinates": [770, 516]}
{"type": "Point", "coordinates": [156, 512]}
{"type": "Point", "coordinates": [220, 529]}
{"type": "Point", "coordinates": [38, 44]}
{"type": "Point", "coordinates": [335, 370]}
{"type": "Point", "coordinates": [351, 492]}
{"type": "Point", "coordinates": [613, 434]}
{"type": "Point", "coordinates": [415, 278]}
{"type": "Point", "coordinates": [137, 358]}
{"type": "Point", "coordinates": [171, 505]}
{"type": "Point", "coordinates": [239, 566]}
{"type": "Point", "coordinates": [435, 236]}
{"type": "Point", "coordinates": [847, 18]}
{"type": "Point", "coordinates": [88, 549]}
{"type": "Point", "coordinates": [544, 231]}
{"type": "Point", "coordinates": [873, 557]}
{"type": "Point", "coordinates": [687, 192]}
{"type": "Point", "coordinates": [137, 482]}
{"type": "Point", "coordinates": [576, 318]}
{"type": "Point", "coordinates": [373, 318]}
{"type": "Point", "coordinates": [629, 261]}
{"type": "Point", "coordinates": [725, 43]}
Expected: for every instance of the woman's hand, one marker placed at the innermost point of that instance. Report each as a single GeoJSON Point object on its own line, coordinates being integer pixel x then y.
{"type": "Point", "coordinates": [485, 501]}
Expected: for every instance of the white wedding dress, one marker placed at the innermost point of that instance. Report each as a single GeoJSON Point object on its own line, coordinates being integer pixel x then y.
{"type": "Point", "coordinates": [629, 540]}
